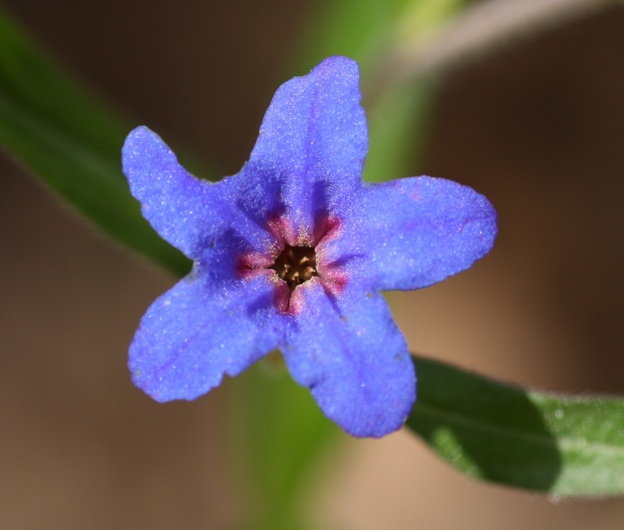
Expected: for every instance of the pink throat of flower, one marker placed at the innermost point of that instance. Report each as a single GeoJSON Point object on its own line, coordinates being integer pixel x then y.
{"type": "Point", "coordinates": [294, 262]}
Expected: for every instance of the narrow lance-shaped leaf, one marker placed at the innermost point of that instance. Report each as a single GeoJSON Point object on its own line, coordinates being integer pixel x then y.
{"type": "Point", "coordinates": [71, 141]}
{"type": "Point", "coordinates": [561, 445]}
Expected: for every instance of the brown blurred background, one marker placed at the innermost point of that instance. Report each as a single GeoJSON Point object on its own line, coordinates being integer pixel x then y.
{"type": "Point", "coordinates": [537, 127]}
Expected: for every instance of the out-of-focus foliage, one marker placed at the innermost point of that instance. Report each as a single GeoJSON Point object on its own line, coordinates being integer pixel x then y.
{"type": "Point", "coordinates": [71, 140]}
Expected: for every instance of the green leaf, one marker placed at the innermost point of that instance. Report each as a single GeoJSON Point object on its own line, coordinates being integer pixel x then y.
{"type": "Point", "coordinates": [561, 445]}
{"type": "Point", "coordinates": [72, 142]}
{"type": "Point", "coordinates": [399, 123]}
{"type": "Point", "coordinates": [279, 436]}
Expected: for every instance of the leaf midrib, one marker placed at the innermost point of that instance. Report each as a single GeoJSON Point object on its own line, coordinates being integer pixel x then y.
{"type": "Point", "coordinates": [557, 442]}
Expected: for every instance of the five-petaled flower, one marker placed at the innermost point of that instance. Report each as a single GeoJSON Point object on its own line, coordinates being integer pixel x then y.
{"type": "Point", "coordinates": [292, 253]}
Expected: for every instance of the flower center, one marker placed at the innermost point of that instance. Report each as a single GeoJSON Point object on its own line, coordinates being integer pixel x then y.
{"type": "Point", "coordinates": [295, 265]}
{"type": "Point", "coordinates": [290, 261]}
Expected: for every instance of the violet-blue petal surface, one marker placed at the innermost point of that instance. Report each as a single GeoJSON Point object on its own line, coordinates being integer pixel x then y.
{"type": "Point", "coordinates": [177, 204]}
{"type": "Point", "coordinates": [413, 232]}
{"type": "Point", "coordinates": [351, 355]}
{"type": "Point", "coordinates": [190, 213]}
{"type": "Point", "coordinates": [314, 138]}
{"type": "Point", "coordinates": [292, 252]}
{"type": "Point", "coordinates": [193, 335]}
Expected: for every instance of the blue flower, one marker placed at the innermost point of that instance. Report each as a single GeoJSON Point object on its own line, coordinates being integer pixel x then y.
{"type": "Point", "coordinates": [292, 253]}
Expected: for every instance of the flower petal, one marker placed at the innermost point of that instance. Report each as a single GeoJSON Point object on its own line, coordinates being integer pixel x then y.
{"type": "Point", "coordinates": [413, 232]}
{"type": "Point", "coordinates": [192, 335]}
{"type": "Point", "coordinates": [314, 137]}
{"type": "Point", "coordinates": [179, 206]}
{"type": "Point", "coordinates": [351, 355]}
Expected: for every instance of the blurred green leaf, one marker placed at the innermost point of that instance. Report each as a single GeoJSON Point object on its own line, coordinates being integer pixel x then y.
{"type": "Point", "coordinates": [359, 29]}
{"type": "Point", "coordinates": [71, 141]}
{"type": "Point", "coordinates": [399, 123]}
{"type": "Point", "coordinates": [564, 446]}
{"type": "Point", "coordinates": [280, 436]}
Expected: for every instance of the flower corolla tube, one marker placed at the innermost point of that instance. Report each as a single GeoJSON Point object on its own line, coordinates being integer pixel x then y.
{"type": "Point", "coordinates": [292, 253]}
